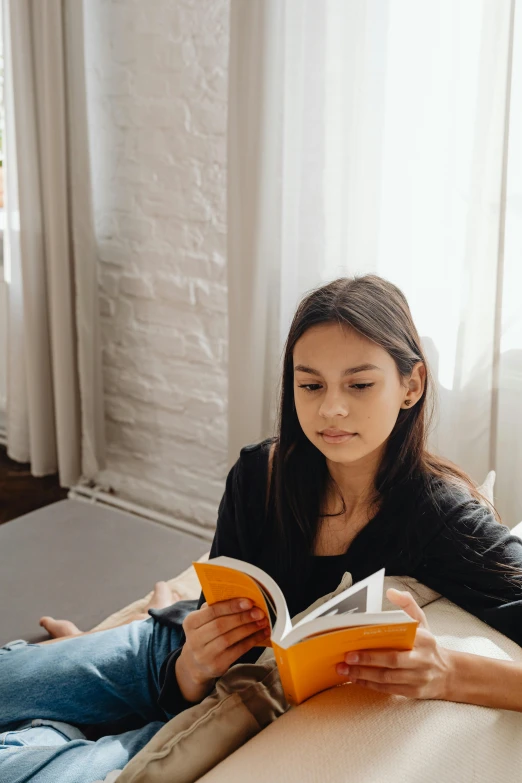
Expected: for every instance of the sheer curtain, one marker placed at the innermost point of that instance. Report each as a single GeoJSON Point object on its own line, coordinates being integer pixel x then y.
{"type": "Point", "coordinates": [396, 132]}
{"type": "Point", "coordinates": [54, 387]}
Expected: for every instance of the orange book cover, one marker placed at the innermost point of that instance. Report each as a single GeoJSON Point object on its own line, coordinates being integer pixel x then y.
{"type": "Point", "coordinates": [308, 667]}
{"type": "Point", "coordinates": [222, 583]}
{"type": "Point", "coordinates": [307, 651]}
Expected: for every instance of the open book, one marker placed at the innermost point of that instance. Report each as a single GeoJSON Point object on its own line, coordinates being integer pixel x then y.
{"type": "Point", "coordinates": [307, 652]}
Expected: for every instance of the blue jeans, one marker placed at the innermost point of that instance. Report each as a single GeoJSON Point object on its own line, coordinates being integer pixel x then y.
{"type": "Point", "coordinates": [48, 691]}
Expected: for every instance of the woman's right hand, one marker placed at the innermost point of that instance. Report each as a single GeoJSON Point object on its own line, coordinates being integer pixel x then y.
{"type": "Point", "coordinates": [216, 636]}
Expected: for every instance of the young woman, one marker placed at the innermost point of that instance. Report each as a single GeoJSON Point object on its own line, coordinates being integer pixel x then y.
{"type": "Point", "coordinates": [347, 485]}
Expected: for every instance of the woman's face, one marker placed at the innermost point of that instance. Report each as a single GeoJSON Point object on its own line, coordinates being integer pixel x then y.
{"type": "Point", "coordinates": [348, 392]}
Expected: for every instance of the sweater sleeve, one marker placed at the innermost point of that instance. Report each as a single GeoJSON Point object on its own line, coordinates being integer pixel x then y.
{"type": "Point", "coordinates": [235, 536]}
{"type": "Point", "coordinates": [474, 561]}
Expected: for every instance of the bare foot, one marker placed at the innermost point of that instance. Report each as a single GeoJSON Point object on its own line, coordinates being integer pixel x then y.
{"type": "Point", "coordinates": [59, 628]}
{"type": "Point", "coordinates": [162, 596]}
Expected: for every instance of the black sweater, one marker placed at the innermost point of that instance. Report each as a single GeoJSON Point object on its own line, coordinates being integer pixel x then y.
{"type": "Point", "coordinates": [437, 534]}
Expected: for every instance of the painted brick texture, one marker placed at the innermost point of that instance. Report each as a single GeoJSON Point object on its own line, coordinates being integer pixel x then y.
{"type": "Point", "coordinates": [157, 85]}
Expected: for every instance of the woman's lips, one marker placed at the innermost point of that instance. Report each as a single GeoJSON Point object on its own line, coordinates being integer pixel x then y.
{"type": "Point", "coordinates": [341, 437]}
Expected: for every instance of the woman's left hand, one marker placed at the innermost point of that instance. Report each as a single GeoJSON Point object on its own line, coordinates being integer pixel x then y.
{"type": "Point", "coordinates": [420, 673]}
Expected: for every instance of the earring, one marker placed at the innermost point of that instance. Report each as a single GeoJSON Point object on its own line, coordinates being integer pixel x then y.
{"type": "Point", "coordinates": [407, 402]}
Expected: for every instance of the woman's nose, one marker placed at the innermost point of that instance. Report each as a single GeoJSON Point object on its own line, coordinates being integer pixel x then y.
{"type": "Point", "coordinates": [333, 405]}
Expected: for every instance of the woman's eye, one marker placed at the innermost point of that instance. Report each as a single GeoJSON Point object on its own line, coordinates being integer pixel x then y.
{"type": "Point", "coordinates": [311, 387]}
{"type": "Point", "coordinates": [361, 386]}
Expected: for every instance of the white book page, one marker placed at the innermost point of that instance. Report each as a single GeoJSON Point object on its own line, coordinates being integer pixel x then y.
{"type": "Point", "coordinates": [323, 624]}
{"type": "Point", "coordinates": [363, 596]}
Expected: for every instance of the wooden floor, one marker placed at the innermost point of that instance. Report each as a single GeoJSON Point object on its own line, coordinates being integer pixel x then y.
{"type": "Point", "coordinates": [20, 492]}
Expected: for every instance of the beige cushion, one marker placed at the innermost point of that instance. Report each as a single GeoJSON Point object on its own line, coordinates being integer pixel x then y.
{"type": "Point", "coordinates": [391, 738]}
{"type": "Point", "coordinates": [249, 697]}
{"type": "Point", "coordinates": [246, 699]}
{"type": "Point", "coordinates": [351, 734]}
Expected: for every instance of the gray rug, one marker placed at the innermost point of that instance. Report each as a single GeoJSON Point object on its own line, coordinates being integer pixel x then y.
{"type": "Point", "coordinates": [82, 562]}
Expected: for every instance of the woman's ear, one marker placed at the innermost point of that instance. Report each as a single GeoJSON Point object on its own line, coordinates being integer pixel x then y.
{"type": "Point", "coordinates": [415, 385]}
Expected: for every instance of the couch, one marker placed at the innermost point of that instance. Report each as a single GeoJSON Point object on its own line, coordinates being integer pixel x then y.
{"type": "Point", "coordinates": [350, 734]}
{"type": "Point", "coordinates": [344, 734]}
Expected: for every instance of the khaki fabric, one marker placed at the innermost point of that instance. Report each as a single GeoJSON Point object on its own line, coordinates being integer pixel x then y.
{"type": "Point", "coordinates": [245, 700]}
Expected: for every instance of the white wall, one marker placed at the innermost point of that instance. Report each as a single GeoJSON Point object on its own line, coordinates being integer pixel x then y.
{"type": "Point", "coordinates": [157, 83]}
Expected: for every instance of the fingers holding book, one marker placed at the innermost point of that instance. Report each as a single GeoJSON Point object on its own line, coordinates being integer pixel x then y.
{"type": "Point", "coordinates": [227, 614]}
{"type": "Point", "coordinates": [216, 636]}
{"type": "Point", "coordinates": [421, 673]}
{"type": "Point", "coordinates": [221, 625]}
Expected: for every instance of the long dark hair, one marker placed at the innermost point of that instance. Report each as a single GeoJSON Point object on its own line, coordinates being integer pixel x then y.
{"type": "Point", "coordinates": [378, 310]}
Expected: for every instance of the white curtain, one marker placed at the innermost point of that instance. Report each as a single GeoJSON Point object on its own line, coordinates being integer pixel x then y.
{"type": "Point", "coordinates": [392, 131]}
{"type": "Point", "coordinates": [54, 394]}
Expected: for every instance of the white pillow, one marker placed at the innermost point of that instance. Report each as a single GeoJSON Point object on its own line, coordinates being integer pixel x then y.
{"type": "Point", "coordinates": [487, 487]}
{"type": "Point", "coordinates": [517, 530]}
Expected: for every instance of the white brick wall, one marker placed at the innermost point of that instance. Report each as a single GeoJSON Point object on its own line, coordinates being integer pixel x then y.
{"type": "Point", "coordinates": [157, 82]}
